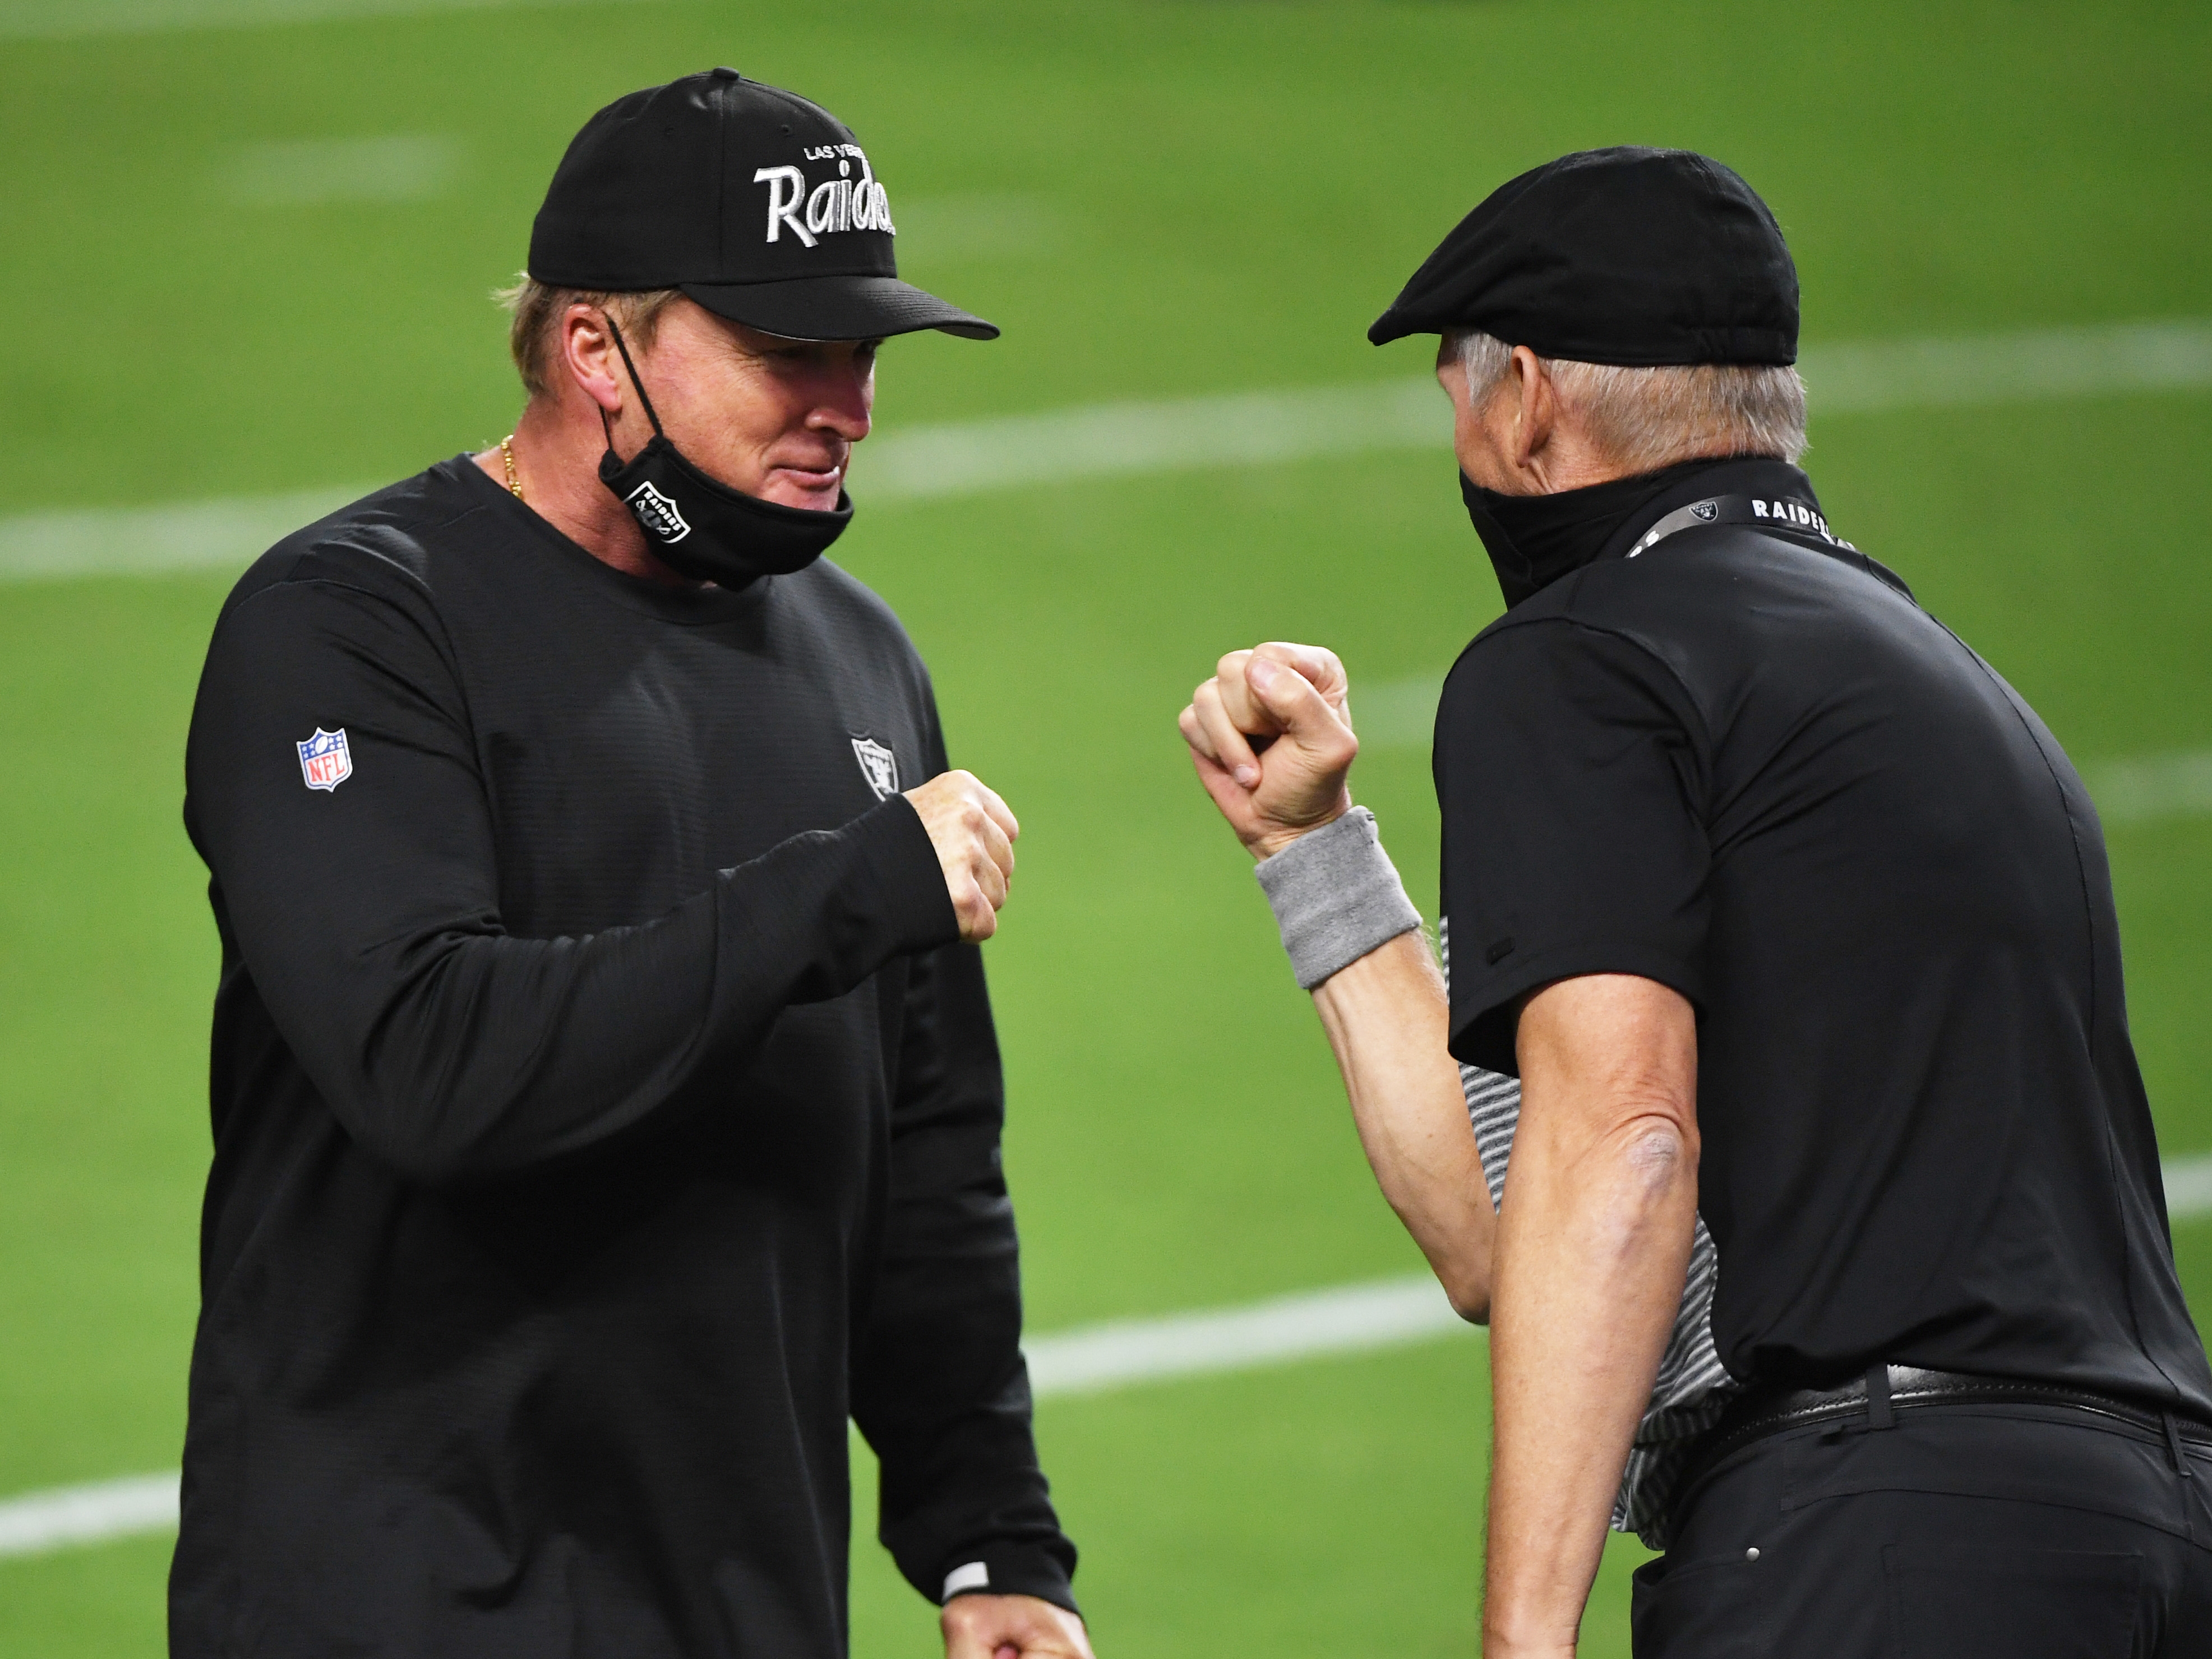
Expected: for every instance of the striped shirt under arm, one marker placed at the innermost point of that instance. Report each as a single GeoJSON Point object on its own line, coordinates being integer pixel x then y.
{"type": "Point", "coordinates": [1692, 1387]}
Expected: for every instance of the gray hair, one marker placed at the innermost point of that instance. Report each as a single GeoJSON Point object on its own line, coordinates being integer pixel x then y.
{"type": "Point", "coordinates": [1647, 418]}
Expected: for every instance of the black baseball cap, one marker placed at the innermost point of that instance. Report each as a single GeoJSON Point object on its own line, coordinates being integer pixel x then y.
{"type": "Point", "coordinates": [1627, 256]}
{"type": "Point", "coordinates": [756, 203]}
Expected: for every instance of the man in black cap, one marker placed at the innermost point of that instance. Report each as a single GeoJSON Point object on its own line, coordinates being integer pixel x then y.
{"type": "Point", "coordinates": [605, 1099]}
{"type": "Point", "coordinates": [1783, 908]}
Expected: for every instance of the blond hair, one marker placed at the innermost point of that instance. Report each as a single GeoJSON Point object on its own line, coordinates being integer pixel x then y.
{"type": "Point", "coordinates": [536, 308]}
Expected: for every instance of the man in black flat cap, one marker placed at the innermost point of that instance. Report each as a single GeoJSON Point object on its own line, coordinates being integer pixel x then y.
{"type": "Point", "coordinates": [606, 1105]}
{"type": "Point", "coordinates": [1787, 913]}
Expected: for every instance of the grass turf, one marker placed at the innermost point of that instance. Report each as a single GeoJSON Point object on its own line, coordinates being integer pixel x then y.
{"type": "Point", "coordinates": [1155, 198]}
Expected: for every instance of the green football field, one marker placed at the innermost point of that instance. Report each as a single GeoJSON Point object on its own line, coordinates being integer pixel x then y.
{"type": "Point", "coordinates": [252, 260]}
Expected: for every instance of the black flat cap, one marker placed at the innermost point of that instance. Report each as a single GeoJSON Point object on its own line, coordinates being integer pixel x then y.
{"type": "Point", "coordinates": [1629, 256]}
{"type": "Point", "coordinates": [761, 206]}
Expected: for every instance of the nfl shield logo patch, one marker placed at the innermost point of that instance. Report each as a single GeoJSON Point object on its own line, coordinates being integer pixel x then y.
{"type": "Point", "coordinates": [878, 765]}
{"type": "Point", "coordinates": [324, 761]}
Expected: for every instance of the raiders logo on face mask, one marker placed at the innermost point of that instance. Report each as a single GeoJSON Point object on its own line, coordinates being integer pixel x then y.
{"type": "Point", "coordinates": [658, 514]}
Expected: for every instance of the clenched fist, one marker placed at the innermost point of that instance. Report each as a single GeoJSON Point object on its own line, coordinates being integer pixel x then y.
{"type": "Point", "coordinates": [973, 835]}
{"type": "Point", "coordinates": [1011, 1627]}
{"type": "Point", "coordinates": [1271, 736]}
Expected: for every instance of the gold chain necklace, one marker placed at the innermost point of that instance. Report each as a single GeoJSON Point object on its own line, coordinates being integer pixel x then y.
{"type": "Point", "coordinates": [507, 454]}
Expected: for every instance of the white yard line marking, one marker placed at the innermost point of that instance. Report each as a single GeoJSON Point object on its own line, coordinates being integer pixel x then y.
{"type": "Point", "coordinates": [1091, 1359]}
{"type": "Point", "coordinates": [2153, 787]}
{"type": "Point", "coordinates": [40, 1522]}
{"type": "Point", "coordinates": [1243, 428]}
{"type": "Point", "coordinates": [1349, 1319]}
{"type": "Point", "coordinates": [76, 20]}
{"type": "Point", "coordinates": [1247, 428]}
{"type": "Point", "coordinates": [979, 226]}
{"type": "Point", "coordinates": [398, 166]}
{"type": "Point", "coordinates": [2189, 1187]}
{"type": "Point", "coordinates": [1120, 1354]}
{"type": "Point", "coordinates": [138, 540]}
{"type": "Point", "coordinates": [2000, 369]}
{"type": "Point", "coordinates": [969, 457]}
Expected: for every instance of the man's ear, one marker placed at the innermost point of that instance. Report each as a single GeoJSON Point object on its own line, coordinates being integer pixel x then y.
{"type": "Point", "coordinates": [1536, 416]}
{"type": "Point", "coordinates": [587, 354]}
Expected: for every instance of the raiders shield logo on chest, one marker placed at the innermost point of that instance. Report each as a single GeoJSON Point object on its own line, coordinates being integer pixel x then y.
{"type": "Point", "coordinates": [878, 765]}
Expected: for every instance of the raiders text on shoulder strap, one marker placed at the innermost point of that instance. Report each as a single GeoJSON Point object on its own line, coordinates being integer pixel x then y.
{"type": "Point", "coordinates": [1766, 512]}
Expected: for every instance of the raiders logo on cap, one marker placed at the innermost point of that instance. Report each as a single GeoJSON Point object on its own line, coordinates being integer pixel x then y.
{"type": "Point", "coordinates": [757, 204]}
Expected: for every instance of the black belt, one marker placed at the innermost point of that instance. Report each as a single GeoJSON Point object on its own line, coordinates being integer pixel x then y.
{"type": "Point", "coordinates": [1886, 1391]}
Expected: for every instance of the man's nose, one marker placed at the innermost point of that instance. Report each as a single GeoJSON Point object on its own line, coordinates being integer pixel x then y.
{"type": "Point", "coordinates": [842, 405]}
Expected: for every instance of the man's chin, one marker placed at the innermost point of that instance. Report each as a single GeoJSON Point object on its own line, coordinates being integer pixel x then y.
{"type": "Point", "coordinates": [786, 491]}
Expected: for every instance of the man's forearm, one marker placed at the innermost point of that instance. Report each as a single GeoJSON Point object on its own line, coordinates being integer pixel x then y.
{"type": "Point", "coordinates": [1354, 941]}
{"type": "Point", "coordinates": [1387, 1021]}
{"type": "Point", "coordinates": [1593, 1242]}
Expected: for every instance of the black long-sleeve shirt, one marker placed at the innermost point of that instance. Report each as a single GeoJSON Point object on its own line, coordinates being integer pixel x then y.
{"type": "Point", "coordinates": [603, 1108]}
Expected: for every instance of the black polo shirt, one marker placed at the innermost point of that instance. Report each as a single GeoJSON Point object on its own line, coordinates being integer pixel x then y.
{"type": "Point", "coordinates": [1748, 765]}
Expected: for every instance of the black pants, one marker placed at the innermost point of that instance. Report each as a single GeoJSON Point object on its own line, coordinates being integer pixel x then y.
{"type": "Point", "coordinates": [2014, 1532]}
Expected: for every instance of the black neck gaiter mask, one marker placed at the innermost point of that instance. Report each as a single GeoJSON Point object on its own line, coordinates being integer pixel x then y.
{"type": "Point", "coordinates": [704, 529]}
{"type": "Point", "coordinates": [1534, 540]}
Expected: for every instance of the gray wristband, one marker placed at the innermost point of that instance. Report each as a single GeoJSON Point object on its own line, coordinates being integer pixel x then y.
{"type": "Point", "coordinates": [1336, 897]}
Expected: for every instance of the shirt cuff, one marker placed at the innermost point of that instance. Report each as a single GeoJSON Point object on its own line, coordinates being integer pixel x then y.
{"type": "Point", "coordinates": [1010, 1569]}
{"type": "Point", "coordinates": [901, 857]}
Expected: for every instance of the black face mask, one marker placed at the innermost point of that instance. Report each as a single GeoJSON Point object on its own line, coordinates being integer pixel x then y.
{"type": "Point", "coordinates": [706, 529]}
{"type": "Point", "coordinates": [1534, 540]}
